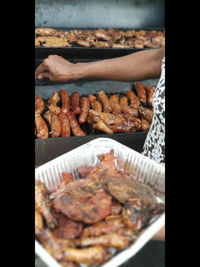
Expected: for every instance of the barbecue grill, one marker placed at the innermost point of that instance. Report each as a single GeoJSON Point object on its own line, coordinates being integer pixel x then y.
{"type": "Point", "coordinates": [50, 148]}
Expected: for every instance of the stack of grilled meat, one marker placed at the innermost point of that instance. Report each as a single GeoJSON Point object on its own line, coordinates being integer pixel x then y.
{"type": "Point", "coordinates": [118, 113]}
{"type": "Point", "coordinates": [80, 220]}
{"type": "Point", "coordinates": [115, 38]}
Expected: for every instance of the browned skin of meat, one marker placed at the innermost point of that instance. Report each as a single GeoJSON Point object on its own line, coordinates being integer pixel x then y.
{"type": "Point", "coordinates": [105, 102]}
{"type": "Point", "coordinates": [141, 92]}
{"type": "Point", "coordinates": [146, 113]}
{"type": "Point", "coordinates": [131, 124]}
{"type": "Point", "coordinates": [49, 41]}
{"type": "Point", "coordinates": [145, 125]}
{"type": "Point", "coordinates": [75, 103]}
{"type": "Point", "coordinates": [75, 127]}
{"type": "Point", "coordinates": [44, 205]}
{"type": "Point", "coordinates": [65, 125]}
{"type": "Point", "coordinates": [113, 240]}
{"type": "Point", "coordinates": [65, 101]}
{"type": "Point", "coordinates": [104, 227]}
{"type": "Point", "coordinates": [116, 207]}
{"type": "Point", "coordinates": [102, 34]}
{"type": "Point", "coordinates": [45, 31]}
{"type": "Point", "coordinates": [39, 226]}
{"type": "Point", "coordinates": [41, 127]}
{"type": "Point", "coordinates": [101, 126]}
{"type": "Point", "coordinates": [125, 108]}
{"type": "Point", "coordinates": [150, 93]}
{"type": "Point", "coordinates": [83, 200]}
{"type": "Point", "coordinates": [67, 229]}
{"type": "Point", "coordinates": [107, 118]}
{"type": "Point", "coordinates": [114, 101]}
{"type": "Point", "coordinates": [52, 103]}
{"type": "Point", "coordinates": [54, 123]}
{"type": "Point", "coordinates": [134, 100]}
{"type": "Point", "coordinates": [85, 106]}
{"type": "Point", "coordinates": [94, 103]}
{"type": "Point", "coordinates": [39, 105]}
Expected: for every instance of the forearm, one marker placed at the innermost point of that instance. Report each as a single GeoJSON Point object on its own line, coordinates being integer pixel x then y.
{"type": "Point", "coordinates": [138, 66]}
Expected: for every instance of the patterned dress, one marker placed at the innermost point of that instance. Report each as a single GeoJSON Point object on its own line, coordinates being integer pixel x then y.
{"type": "Point", "coordinates": [154, 146]}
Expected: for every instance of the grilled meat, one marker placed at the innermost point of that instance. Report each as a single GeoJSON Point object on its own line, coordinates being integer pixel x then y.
{"type": "Point", "coordinates": [39, 226]}
{"type": "Point", "coordinates": [146, 113]}
{"type": "Point", "coordinates": [52, 103]}
{"type": "Point", "coordinates": [41, 127]}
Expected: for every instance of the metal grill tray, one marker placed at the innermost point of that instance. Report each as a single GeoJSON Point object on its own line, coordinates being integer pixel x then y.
{"type": "Point", "coordinates": [145, 170]}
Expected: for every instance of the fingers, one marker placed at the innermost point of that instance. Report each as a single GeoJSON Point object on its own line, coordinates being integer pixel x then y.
{"type": "Point", "coordinates": [43, 75]}
{"type": "Point", "coordinates": [41, 68]}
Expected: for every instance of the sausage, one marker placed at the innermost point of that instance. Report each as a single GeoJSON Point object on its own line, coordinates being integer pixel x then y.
{"type": "Point", "coordinates": [134, 100]}
{"type": "Point", "coordinates": [114, 101]}
{"type": "Point", "coordinates": [52, 103]}
{"type": "Point", "coordinates": [125, 108]}
{"type": "Point", "coordinates": [141, 92]}
{"type": "Point", "coordinates": [41, 128]}
{"type": "Point", "coordinates": [85, 106]}
{"type": "Point", "coordinates": [105, 102]}
{"type": "Point", "coordinates": [75, 103]}
{"type": "Point", "coordinates": [39, 105]}
{"type": "Point", "coordinates": [65, 101]}
{"type": "Point", "coordinates": [150, 93]}
{"type": "Point", "coordinates": [76, 129]}
{"type": "Point", "coordinates": [94, 103]}
{"type": "Point", "coordinates": [65, 125]}
{"type": "Point", "coordinates": [54, 123]}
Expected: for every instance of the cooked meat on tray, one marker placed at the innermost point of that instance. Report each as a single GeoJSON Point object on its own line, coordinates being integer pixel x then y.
{"type": "Point", "coordinates": [114, 38]}
{"type": "Point", "coordinates": [83, 217]}
{"type": "Point", "coordinates": [64, 115]}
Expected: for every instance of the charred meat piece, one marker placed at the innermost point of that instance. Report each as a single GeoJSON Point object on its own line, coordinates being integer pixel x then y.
{"type": "Point", "coordinates": [54, 122]}
{"type": "Point", "coordinates": [75, 127]}
{"type": "Point", "coordinates": [106, 117]}
{"type": "Point", "coordinates": [101, 126]}
{"type": "Point", "coordinates": [150, 93]}
{"type": "Point", "coordinates": [39, 105]}
{"type": "Point", "coordinates": [145, 125]}
{"type": "Point", "coordinates": [94, 103]}
{"type": "Point", "coordinates": [116, 207]}
{"type": "Point", "coordinates": [134, 100]}
{"type": "Point", "coordinates": [114, 101]}
{"type": "Point", "coordinates": [146, 113]}
{"type": "Point", "coordinates": [67, 229]}
{"type": "Point", "coordinates": [83, 200]}
{"type": "Point", "coordinates": [52, 103]}
{"type": "Point", "coordinates": [104, 227]}
{"type": "Point", "coordinates": [105, 102]}
{"type": "Point", "coordinates": [85, 106]}
{"type": "Point", "coordinates": [65, 125]}
{"type": "Point", "coordinates": [141, 92]}
{"type": "Point", "coordinates": [44, 205]}
{"type": "Point", "coordinates": [49, 41]}
{"type": "Point", "coordinates": [102, 34]}
{"type": "Point", "coordinates": [65, 101]}
{"type": "Point", "coordinates": [39, 226]}
{"type": "Point", "coordinates": [45, 31]}
{"type": "Point", "coordinates": [125, 108]}
{"type": "Point", "coordinates": [41, 127]}
{"type": "Point", "coordinates": [75, 103]}
{"type": "Point", "coordinates": [128, 125]}
{"type": "Point", "coordinates": [124, 188]}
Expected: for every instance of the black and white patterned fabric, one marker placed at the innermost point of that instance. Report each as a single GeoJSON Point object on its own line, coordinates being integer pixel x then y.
{"type": "Point", "coordinates": [154, 146]}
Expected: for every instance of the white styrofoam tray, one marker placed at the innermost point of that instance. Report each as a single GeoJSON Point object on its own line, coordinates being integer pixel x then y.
{"type": "Point", "coordinates": [144, 169]}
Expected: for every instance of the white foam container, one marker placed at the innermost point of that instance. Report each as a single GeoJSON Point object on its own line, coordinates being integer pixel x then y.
{"type": "Point", "coordinates": [144, 169]}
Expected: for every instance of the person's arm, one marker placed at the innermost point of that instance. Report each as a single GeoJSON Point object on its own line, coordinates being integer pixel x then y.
{"type": "Point", "coordinates": [138, 66]}
{"type": "Point", "coordinates": [160, 235]}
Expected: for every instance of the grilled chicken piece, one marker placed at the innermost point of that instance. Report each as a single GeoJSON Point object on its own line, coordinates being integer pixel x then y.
{"type": "Point", "coordinates": [43, 204]}
{"type": "Point", "coordinates": [41, 127]}
{"type": "Point", "coordinates": [114, 101]}
{"type": "Point", "coordinates": [49, 41]}
{"type": "Point", "coordinates": [113, 240]}
{"type": "Point", "coordinates": [125, 108]}
{"type": "Point", "coordinates": [141, 92]}
{"type": "Point", "coordinates": [107, 118]}
{"type": "Point", "coordinates": [39, 105]}
{"type": "Point", "coordinates": [52, 103]}
{"type": "Point", "coordinates": [45, 31]}
{"type": "Point", "coordinates": [67, 229]}
{"type": "Point", "coordinates": [134, 100]}
{"type": "Point", "coordinates": [146, 113]}
{"type": "Point", "coordinates": [145, 125]}
{"type": "Point", "coordinates": [128, 125]}
{"type": "Point", "coordinates": [116, 207]}
{"type": "Point", "coordinates": [101, 126]}
{"type": "Point", "coordinates": [136, 214]}
{"type": "Point", "coordinates": [102, 34]}
{"type": "Point", "coordinates": [83, 43]}
{"type": "Point", "coordinates": [150, 93]}
{"type": "Point", "coordinates": [105, 102]}
{"type": "Point", "coordinates": [83, 200]}
{"type": "Point", "coordinates": [54, 122]}
{"type": "Point", "coordinates": [110, 225]}
{"type": "Point", "coordinates": [94, 103]}
{"type": "Point", "coordinates": [39, 226]}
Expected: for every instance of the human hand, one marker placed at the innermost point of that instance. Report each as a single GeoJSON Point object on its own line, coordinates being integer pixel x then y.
{"type": "Point", "coordinates": [55, 68]}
